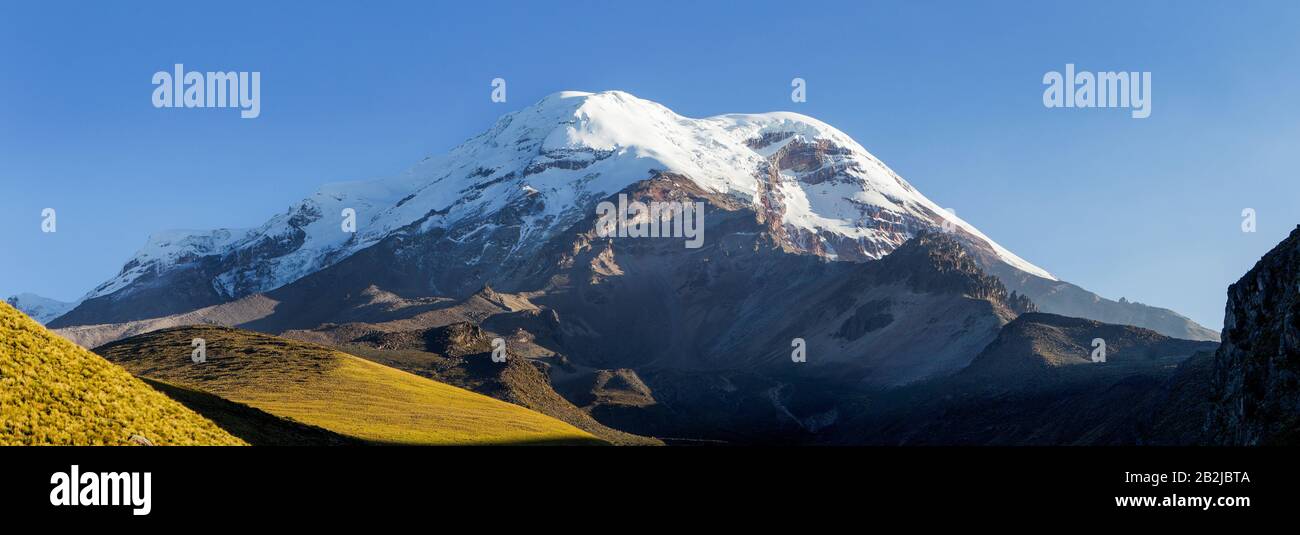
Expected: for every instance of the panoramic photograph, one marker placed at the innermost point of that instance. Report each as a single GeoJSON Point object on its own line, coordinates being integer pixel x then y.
{"type": "Point", "coordinates": [907, 230]}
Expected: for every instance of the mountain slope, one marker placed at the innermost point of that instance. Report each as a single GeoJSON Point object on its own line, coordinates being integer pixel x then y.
{"type": "Point", "coordinates": [1063, 298]}
{"type": "Point", "coordinates": [709, 329]}
{"type": "Point", "coordinates": [53, 392]}
{"type": "Point", "coordinates": [1036, 384]}
{"type": "Point", "coordinates": [490, 203]}
{"type": "Point", "coordinates": [333, 390]}
{"type": "Point", "coordinates": [254, 426]}
{"type": "Point", "coordinates": [1036, 342]}
{"type": "Point", "coordinates": [739, 301]}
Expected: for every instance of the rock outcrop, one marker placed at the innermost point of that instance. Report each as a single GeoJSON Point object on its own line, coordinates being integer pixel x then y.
{"type": "Point", "coordinates": [1257, 368]}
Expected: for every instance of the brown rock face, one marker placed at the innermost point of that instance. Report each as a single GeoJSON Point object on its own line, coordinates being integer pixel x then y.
{"type": "Point", "coordinates": [813, 160]}
{"type": "Point", "coordinates": [457, 339]}
{"type": "Point", "coordinates": [935, 262]}
{"type": "Point", "coordinates": [1257, 369]}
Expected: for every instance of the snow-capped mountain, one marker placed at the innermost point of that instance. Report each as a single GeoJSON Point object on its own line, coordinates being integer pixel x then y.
{"type": "Point", "coordinates": [41, 309]}
{"type": "Point", "coordinates": [536, 172]}
{"type": "Point", "coordinates": [569, 149]}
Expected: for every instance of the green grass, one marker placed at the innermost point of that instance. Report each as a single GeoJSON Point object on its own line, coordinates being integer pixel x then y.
{"type": "Point", "coordinates": [53, 392]}
{"type": "Point", "coordinates": [344, 394]}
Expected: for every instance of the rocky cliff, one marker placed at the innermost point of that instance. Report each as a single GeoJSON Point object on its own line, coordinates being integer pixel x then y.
{"type": "Point", "coordinates": [1257, 368]}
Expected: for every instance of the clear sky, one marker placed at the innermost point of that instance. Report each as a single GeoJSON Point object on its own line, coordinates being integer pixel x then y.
{"type": "Point", "coordinates": [949, 94]}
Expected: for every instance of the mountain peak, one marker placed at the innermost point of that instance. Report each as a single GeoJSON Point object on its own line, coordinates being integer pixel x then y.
{"type": "Point", "coordinates": [40, 308]}
{"type": "Point", "coordinates": [613, 119]}
{"type": "Point", "coordinates": [803, 172]}
{"type": "Point", "coordinates": [543, 168]}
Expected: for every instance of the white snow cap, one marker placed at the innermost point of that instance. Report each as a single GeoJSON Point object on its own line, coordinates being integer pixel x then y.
{"type": "Point", "coordinates": [715, 153]}
{"type": "Point", "coordinates": [40, 308]}
{"type": "Point", "coordinates": [569, 149]}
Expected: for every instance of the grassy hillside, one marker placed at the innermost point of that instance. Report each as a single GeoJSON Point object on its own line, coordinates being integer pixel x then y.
{"type": "Point", "coordinates": [459, 354]}
{"type": "Point", "coordinates": [517, 381]}
{"type": "Point", "coordinates": [254, 426]}
{"type": "Point", "coordinates": [54, 392]}
{"type": "Point", "coordinates": [332, 390]}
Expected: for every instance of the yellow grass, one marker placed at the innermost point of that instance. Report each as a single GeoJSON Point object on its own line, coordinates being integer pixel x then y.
{"type": "Point", "coordinates": [334, 390]}
{"type": "Point", "coordinates": [53, 392]}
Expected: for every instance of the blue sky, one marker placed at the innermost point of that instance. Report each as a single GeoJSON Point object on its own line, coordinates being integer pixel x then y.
{"type": "Point", "coordinates": [949, 94]}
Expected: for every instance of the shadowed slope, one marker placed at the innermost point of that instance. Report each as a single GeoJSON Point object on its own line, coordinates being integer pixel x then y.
{"type": "Point", "coordinates": [1036, 384]}
{"type": "Point", "coordinates": [1038, 341]}
{"type": "Point", "coordinates": [255, 426]}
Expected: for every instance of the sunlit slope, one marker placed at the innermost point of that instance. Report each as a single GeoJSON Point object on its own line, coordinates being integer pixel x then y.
{"type": "Point", "coordinates": [339, 392]}
{"type": "Point", "coordinates": [53, 392]}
